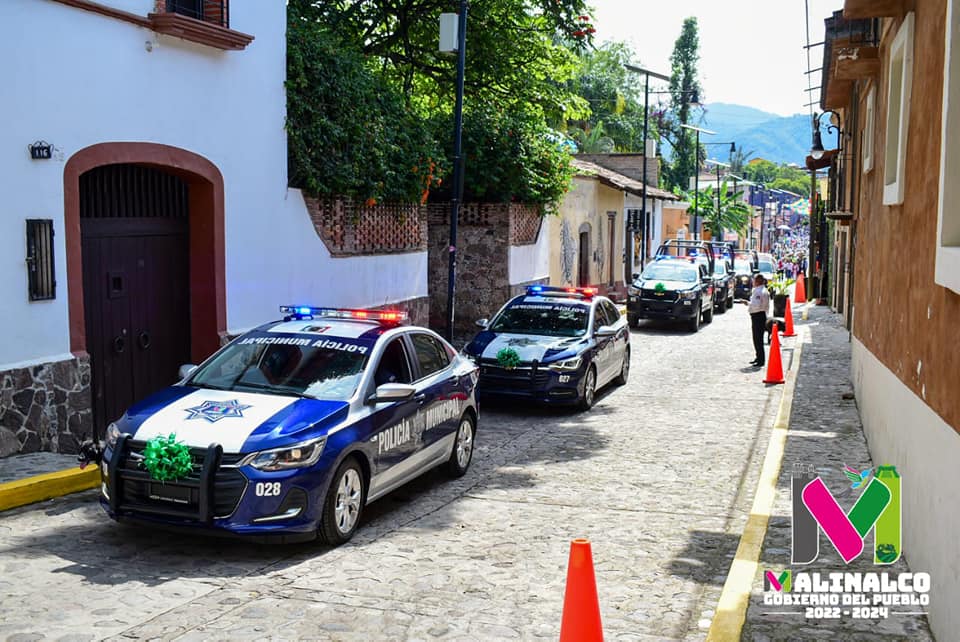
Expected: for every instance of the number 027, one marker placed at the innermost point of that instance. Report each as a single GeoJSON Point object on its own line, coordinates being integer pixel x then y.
{"type": "Point", "coordinates": [267, 489]}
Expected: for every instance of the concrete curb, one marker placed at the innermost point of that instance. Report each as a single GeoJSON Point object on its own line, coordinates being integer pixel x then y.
{"type": "Point", "coordinates": [734, 599]}
{"type": "Point", "coordinates": [40, 487]}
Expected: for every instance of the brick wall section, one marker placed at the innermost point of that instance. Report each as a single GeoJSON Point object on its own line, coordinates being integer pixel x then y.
{"type": "Point", "coordinates": [45, 407]}
{"type": "Point", "coordinates": [630, 165]}
{"type": "Point", "coordinates": [354, 229]}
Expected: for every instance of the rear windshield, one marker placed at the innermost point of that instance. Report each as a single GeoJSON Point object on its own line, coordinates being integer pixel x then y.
{"type": "Point", "coordinates": [662, 272]}
{"type": "Point", "coordinates": [742, 265]}
{"type": "Point", "coordinates": [765, 266]}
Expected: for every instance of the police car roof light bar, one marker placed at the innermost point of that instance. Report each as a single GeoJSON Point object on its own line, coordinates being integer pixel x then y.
{"type": "Point", "coordinates": [553, 290]}
{"type": "Point", "coordinates": [309, 312]}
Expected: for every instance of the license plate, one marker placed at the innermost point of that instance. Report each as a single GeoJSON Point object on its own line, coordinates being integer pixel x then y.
{"type": "Point", "coordinates": [169, 493]}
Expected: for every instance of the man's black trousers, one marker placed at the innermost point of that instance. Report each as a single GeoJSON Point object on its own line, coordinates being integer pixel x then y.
{"type": "Point", "coordinates": [758, 321]}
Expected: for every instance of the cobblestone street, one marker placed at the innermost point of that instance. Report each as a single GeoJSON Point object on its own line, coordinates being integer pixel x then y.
{"type": "Point", "coordinates": [659, 476]}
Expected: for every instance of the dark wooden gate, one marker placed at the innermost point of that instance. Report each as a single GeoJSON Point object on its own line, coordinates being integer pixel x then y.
{"type": "Point", "coordinates": [134, 226]}
{"type": "Point", "coordinates": [583, 279]}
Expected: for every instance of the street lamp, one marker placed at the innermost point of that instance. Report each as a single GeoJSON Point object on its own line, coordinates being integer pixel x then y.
{"type": "Point", "coordinates": [628, 269]}
{"type": "Point", "coordinates": [696, 177]}
{"type": "Point", "coordinates": [461, 51]}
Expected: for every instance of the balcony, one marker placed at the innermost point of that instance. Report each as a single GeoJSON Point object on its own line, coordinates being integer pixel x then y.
{"type": "Point", "coordinates": [850, 51]}
{"type": "Point", "coordinates": [213, 11]}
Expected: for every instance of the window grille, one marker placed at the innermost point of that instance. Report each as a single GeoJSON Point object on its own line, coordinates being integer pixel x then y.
{"type": "Point", "coordinates": [213, 11]}
{"type": "Point", "coordinates": [41, 282]}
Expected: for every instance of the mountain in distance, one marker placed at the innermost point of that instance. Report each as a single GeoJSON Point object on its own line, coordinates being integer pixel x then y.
{"type": "Point", "coordinates": [781, 139]}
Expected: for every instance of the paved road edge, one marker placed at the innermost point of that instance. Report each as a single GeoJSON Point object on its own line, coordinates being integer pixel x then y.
{"type": "Point", "coordinates": [47, 486]}
{"type": "Point", "coordinates": [734, 599]}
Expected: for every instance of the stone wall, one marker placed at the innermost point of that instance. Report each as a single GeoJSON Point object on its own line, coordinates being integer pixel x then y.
{"type": "Point", "coordinates": [485, 233]}
{"type": "Point", "coordinates": [45, 407]}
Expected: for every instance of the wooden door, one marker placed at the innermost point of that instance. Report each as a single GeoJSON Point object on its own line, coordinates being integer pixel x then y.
{"type": "Point", "coordinates": [134, 230]}
{"type": "Point", "coordinates": [583, 278]}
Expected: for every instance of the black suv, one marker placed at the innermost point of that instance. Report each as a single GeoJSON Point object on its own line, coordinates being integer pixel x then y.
{"type": "Point", "coordinates": [724, 283]}
{"type": "Point", "coordinates": [676, 286]}
{"type": "Point", "coordinates": [745, 267]}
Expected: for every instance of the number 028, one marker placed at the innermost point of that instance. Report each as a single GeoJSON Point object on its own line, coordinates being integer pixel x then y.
{"type": "Point", "coordinates": [267, 489]}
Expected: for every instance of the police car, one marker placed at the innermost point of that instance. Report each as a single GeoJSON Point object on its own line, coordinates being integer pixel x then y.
{"type": "Point", "coordinates": [553, 345]}
{"type": "Point", "coordinates": [296, 425]}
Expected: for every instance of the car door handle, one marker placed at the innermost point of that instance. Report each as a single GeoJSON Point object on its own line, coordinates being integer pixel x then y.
{"type": "Point", "coordinates": [420, 398]}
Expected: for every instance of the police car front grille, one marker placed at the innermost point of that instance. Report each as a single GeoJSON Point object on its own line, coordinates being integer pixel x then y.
{"type": "Point", "coordinates": [667, 295]}
{"type": "Point", "coordinates": [523, 377]}
{"type": "Point", "coordinates": [139, 492]}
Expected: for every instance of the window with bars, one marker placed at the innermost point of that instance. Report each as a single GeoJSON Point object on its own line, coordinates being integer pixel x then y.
{"type": "Point", "coordinates": [41, 281]}
{"type": "Point", "coordinates": [213, 11]}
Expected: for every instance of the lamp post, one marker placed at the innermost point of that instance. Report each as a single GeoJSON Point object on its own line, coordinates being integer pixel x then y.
{"type": "Point", "coordinates": [461, 50]}
{"type": "Point", "coordinates": [643, 207]}
{"type": "Point", "coordinates": [696, 178]}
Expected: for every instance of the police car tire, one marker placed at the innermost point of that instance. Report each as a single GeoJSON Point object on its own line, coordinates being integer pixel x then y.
{"type": "Point", "coordinates": [586, 400]}
{"type": "Point", "coordinates": [730, 301]}
{"type": "Point", "coordinates": [695, 321]}
{"type": "Point", "coordinates": [453, 467]}
{"type": "Point", "coordinates": [328, 531]}
{"type": "Point", "coordinates": [621, 379]}
{"type": "Point", "coordinates": [633, 321]}
{"type": "Point", "coordinates": [722, 306]}
{"type": "Point", "coordinates": [708, 315]}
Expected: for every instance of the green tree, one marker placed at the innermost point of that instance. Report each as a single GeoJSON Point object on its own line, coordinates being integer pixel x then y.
{"type": "Point", "coordinates": [614, 95]}
{"type": "Point", "coordinates": [729, 212]}
{"type": "Point", "coordinates": [739, 160]}
{"type": "Point", "coordinates": [684, 85]}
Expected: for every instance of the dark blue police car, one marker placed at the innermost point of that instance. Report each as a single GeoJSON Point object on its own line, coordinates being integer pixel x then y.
{"type": "Point", "coordinates": [294, 426]}
{"type": "Point", "coordinates": [553, 345]}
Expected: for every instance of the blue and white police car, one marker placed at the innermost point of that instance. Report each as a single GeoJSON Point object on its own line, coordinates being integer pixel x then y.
{"type": "Point", "coordinates": [554, 345]}
{"type": "Point", "coordinates": [296, 425]}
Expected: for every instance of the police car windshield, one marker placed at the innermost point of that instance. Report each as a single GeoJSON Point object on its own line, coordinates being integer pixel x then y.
{"type": "Point", "coordinates": [742, 266]}
{"type": "Point", "coordinates": [664, 272]}
{"type": "Point", "coordinates": [546, 318]}
{"type": "Point", "coordinates": [720, 267]}
{"type": "Point", "coordinates": [287, 364]}
{"type": "Point", "coordinates": [765, 266]}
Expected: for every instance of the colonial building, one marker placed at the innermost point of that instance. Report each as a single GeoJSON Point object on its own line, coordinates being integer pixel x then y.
{"type": "Point", "coordinates": [147, 215]}
{"type": "Point", "coordinates": [892, 82]}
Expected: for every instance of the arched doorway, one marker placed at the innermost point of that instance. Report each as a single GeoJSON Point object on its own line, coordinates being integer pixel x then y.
{"type": "Point", "coordinates": [134, 226]}
{"type": "Point", "coordinates": [145, 247]}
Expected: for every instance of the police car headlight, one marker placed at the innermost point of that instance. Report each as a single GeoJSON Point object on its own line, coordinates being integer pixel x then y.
{"type": "Point", "coordinates": [632, 291]}
{"type": "Point", "coordinates": [566, 365]}
{"type": "Point", "coordinates": [690, 296]}
{"type": "Point", "coordinates": [298, 456]}
{"type": "Point", "coordinates": [744, 279]}
{"type": "Point", "coordinates": [112, 435]}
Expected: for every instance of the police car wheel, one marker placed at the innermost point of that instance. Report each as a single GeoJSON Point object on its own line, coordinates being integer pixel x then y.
{"type": "Point", "coordinates": [344, 503]}
{"type": "Point", "coordinates": [589, 389]}
{"type": "Point", "coordinates": [730, 301]}
{"type": "Point", "coordinates": [621, 379]}
{"type": "Point", "coordinates": [462, 453]}
{"type": "Point", "coordinates": [695, 321]}
{"type": "Point", "coordinates": [633, 321]}
{"type": "Point", "coordinates": [708, 315]}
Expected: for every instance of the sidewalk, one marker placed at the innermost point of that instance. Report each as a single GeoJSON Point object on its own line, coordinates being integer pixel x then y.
{"type": "Point", "coordinates": [824, 432]}
{"type": "Point", "coordinates": [26, 479]}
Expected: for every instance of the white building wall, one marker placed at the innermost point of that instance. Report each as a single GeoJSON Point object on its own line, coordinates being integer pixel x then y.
{"type": "Point", "coordinates": [94, 79]}
{"type": "Point", "coordinates": [531, 262]}
{"type": "Point", "coordinates": [902, 430]}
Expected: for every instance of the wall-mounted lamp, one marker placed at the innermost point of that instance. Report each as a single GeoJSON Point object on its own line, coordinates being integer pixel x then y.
{"type": "Point", "coordinates": [817, 151]}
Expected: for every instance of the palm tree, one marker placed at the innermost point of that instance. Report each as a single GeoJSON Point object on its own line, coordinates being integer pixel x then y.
{"type": "Point", "coordinates": [729, 212]}
{"type": "Point", "coordinates": [593, 140]}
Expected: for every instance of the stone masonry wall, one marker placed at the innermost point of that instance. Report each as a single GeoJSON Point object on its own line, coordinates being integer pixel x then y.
{"type": "Point", "coordinates": [45, 407]}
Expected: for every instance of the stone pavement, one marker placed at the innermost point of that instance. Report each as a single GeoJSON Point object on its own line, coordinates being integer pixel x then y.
{"type": "Point", "coordinates": [825, 432]}
{"type": "Point", "coordinates": [659, 476]}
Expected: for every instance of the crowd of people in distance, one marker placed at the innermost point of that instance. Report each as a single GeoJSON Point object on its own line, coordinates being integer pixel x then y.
{"type": "Point", "coordinates": [790, 250]}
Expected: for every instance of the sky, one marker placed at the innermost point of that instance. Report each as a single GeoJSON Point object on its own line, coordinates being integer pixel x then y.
{"type": "Point", "coordinates": [751, 51]}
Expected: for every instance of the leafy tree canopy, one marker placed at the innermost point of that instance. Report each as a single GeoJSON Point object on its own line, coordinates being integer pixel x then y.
{"type": "Point", "coordinates": [684, 87]}
{"type": "Point", "coordinates": [729, 212]}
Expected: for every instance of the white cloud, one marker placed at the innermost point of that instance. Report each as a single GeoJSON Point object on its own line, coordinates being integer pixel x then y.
{"type": "Point", "coordinates": [751, 51]}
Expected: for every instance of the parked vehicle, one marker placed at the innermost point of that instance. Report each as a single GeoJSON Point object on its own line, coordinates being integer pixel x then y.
{"type": "Point", "coordinates": [676, 289]}
{"type": "Point", "coordinates": [292, 428]}
{"type": "Point", "coordinates": [767, 266]}
{"type": "Point", "coordinates": [744, 267]}
{"type": "Point", "coordinates": [552, 345]}
{"type": "Point", "coordinates": [723, 281]}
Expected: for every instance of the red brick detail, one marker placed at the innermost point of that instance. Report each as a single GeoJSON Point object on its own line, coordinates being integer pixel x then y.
{"type": "Point", "coordinates": [522, 221]}
{"type": "Point", "coordinates": [351, 229]}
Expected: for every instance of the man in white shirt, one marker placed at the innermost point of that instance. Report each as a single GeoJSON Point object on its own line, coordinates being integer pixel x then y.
{"type": "Point", "coordinates": [759, 304]}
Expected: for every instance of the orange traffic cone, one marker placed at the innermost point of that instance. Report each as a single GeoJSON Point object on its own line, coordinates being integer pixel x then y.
{"type": "Point", "coordinates": [788, 321]}
{"type": "Point", "coordinates": [801, 289]}
{"type": "Point", "coordinates": [774, 365]}
{"type": "Point", "coordinates": [581, 608]}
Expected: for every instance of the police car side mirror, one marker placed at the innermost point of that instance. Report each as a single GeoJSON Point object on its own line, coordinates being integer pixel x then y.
{"type": "Point", "coordinates": [390, 392]}
{"type": "Point", "coordinates": [606, 331]}
{"type": "Point", "coordinates": [634, 276]}
{"type": "Point", "coordinates": [483, 323]}
{"type": "Point", "coordinates": [186, 370]}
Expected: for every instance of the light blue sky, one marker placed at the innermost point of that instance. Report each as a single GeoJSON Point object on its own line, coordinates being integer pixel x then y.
{"type": "Point", "coordinates": [751, 51]}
